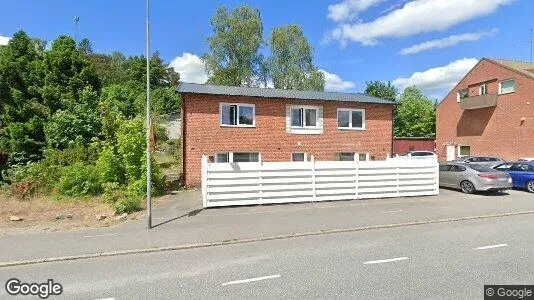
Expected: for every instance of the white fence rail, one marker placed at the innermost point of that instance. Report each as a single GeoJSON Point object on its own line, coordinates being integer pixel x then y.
{"type": "Point", "coordinates": [225, 184]}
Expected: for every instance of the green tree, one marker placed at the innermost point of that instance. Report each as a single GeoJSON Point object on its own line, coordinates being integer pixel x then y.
{"type": "Point", "coordinates": [416, 114]}
{"type": "Point", "coordinates": [85, 46]}
{"type": "Point", "coordinates": [291, 62]}
{"type": "Point", "coordinates": [233, 57]}
{"type": "Point", "coordinates": [22, 113]}
{"type": "Point", "coordinates": [379, 89]}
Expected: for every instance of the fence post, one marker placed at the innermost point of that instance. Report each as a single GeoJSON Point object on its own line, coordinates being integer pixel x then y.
{"type": "Point", "coordinates": [204, 180]}
{"type": "Point", "coordinates": [356, 180]}
{"type": "Point", "coordinates": [397, 175]}
{"type": "Point", "coordinates": [260, 183]}
{"type": "Point", "coordinates": [313, 179]}
{"type": "Point", "coordinates": [436, 178]}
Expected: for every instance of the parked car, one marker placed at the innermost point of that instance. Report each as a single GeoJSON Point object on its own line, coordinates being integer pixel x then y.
{"type": "Point", "coordinates": [470, 178]}
{"type": "Point", "coordinates": [419, 155]}
{"type": "Point", "coordinates": [522, 173]}
{"type": "Point", "coordinates": [526, 159]}
{"type": "Point", "coordinates": [479, 160]}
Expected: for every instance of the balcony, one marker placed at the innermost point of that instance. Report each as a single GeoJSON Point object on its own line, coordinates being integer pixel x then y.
{"type": "Point", "coordinates": [481, 101]}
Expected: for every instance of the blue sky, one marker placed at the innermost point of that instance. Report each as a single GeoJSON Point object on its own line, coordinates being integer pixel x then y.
{"type": "Point", "coordinates": [427, 43]}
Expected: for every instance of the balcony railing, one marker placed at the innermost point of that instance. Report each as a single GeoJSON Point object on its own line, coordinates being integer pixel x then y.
{"type": "Point", "coordinates": [481, 101]}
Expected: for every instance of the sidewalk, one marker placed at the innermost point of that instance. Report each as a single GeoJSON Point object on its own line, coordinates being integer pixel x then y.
{"type": "Point", "coordinates": [181, 221]}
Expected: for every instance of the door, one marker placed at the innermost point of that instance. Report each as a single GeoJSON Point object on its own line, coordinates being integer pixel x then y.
{"type": "Point", "coordinates": [450, 153]}
{"type": "Point", "coordinates": [444, 175]}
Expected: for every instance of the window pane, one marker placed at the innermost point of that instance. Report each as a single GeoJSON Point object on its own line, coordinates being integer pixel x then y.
{"type": "Point", "coordinates": [246, 115]}
{"type": "Point", "coordinates": [297, 156]}
{"type": "Point", "coordinates": [343, 118]}
{"type": "Point", "coordinates": [444, 167]}
{"type": "Point", "coordinates": [464, 93]}
{"type": "Point", "coordinates": [296, 117]}
{"type": "Point", "coordinates": [246, 157]}
{"type": "Point", "coordinates": [226, 115]}
{"type": "Point", "coordinates": [507, 86]}
{"type": "Point", "coordinates": [465, 150]}
{"type": "Point", "coordinates": [357, 119]}
{"type": "Point", "coordinates": [222, 157]}
{"type": "Point", "coordinates": [311, 117]}
{"type": "Point", "coordinates": [362, 157]}
{"type": "Point", "coordinates": [346, 156]}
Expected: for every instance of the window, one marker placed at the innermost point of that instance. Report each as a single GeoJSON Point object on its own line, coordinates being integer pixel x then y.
{"type": "Point", "coordinates": [298, 156]}
{"type": "Point", "coordinates": [464, 93]}
{"type": "Point", "coordinates": [507, 86]}
{"type": "Point", "coordinates": [237, 115]}
{"type": "Point", "coordinates": [464, 150]}
{"type": "Point", "coordinates": [303, 117]}
{"type": "Point", "coordinates": [229, 157]}
{"type": "Point", "coordinates": [522, 168]}
{"type": "Point", "coordinates": [483, 89]}
{"type": "Point", "coordinates": [455, 168]}
{"type": "Point", "coordinates": [351, 118]}
{"type": "Point", "coordinates": [445, 168]}
{"type": "Point", "coordinates": [351, 156]}
{"type": "Point", "coordinates": [503, 167]}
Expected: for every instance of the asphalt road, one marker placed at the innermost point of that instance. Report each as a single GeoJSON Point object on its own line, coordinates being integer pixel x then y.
{"type": "Point", "coordinates": [448, 260]}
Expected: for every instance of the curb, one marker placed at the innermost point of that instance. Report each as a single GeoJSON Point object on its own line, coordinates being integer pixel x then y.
{"type": "Point", "coordinates": [251, 240]}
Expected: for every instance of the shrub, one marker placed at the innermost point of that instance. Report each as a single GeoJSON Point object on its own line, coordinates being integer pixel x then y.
{"type": "Point", "coordinates": [79, 180]}
{"type": "Point", "coordinates": [109, 166]}
{"type": "Point", "coordinates": [131, 145]}
{"type": "Point", "coordinates": [121, 200]}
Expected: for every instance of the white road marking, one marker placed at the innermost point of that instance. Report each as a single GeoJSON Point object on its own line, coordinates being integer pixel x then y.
{"type": "Point", "coordinates": [106, 299]}
{"type": "Point", "coordinates": [392, 211]}
{"type": "Point", "coordinates": [491, 247]}
{"type": "Point", "coordinates": [385, 260]}
{"type": "Point", "coordinates": [100, 235]}
{"type": "Point", "coordinates": [251, 280]}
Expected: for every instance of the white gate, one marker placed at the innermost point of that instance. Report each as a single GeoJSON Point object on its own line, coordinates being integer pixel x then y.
{"type": "Point", "coordinates": [225, 184]}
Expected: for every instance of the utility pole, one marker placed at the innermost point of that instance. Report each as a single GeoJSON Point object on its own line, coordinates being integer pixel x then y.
{"type": "Point", "coordinates": [76, 20]}
{"type": "Point", "coordinates": [148, 124]}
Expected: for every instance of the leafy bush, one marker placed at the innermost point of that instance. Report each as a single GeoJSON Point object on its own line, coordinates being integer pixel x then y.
{"type": "Point", "coordinates": [109, 167]}
{"type": "Point", "coordinates": [79, 180]}
{"type": "Point", "coordinates": [121, 200]}
{"type": "Point", "coordinates": [32, 177]}
{"type": "Point", "coordinates": [131, 145]}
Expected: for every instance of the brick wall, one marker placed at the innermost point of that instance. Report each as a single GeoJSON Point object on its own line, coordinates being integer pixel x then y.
{"type": "Point", "coordinates": [489, 131]}
{"type": "Point", "coordinates": [204, 135]}
{"type": "Point", "coordinates": [402, 145]}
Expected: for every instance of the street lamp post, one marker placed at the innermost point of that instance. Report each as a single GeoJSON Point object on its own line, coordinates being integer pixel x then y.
{"type": "Point", "coordinates": [148, 125]}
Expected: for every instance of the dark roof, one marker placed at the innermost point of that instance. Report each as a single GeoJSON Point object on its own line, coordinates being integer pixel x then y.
{"type": "Point", "coordinates": [523, 67]}
{"type": "Point", "coordinates": [194, 88]}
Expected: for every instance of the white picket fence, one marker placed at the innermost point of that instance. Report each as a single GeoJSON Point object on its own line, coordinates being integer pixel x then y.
{"type": "Point", "coordinates": [225, 184]}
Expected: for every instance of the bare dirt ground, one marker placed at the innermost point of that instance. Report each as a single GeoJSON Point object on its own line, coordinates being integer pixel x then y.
{"type": "Point", "coordinates": [42, 214]}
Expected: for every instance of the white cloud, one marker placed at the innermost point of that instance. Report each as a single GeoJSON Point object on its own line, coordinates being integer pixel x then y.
{"type": "Point", "coordinates": [335, 83]}
{"type": "Point", "coordinates": [4, 40]}
{"type": "Point", "coordinates": [416, 17]}
{"type": "Point", "coordinates": [440, 79]}
{"type": "Point", "coordinates": [347, 10]}
{"type": "Point", "coordinates": [449, 41]}
{"type": "Point", "coordinates": [191, 68]}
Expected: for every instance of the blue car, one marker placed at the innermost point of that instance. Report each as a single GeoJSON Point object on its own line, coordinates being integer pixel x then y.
{"type": "Point", "coordinates": [522, 174]}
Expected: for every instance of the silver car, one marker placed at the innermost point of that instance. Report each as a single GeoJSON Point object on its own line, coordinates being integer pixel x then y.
{"type": "Point", "coordinates": [470, 178]}
{"type": "Point", "coordinates": [491, 161]}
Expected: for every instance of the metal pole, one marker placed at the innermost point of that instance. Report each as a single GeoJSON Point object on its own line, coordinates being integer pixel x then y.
{"type": "Point", "coordinates": [148, 153]}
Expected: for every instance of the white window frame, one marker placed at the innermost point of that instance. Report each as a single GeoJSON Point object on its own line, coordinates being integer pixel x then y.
{"type": "Point", "coordinates": [305, 156]}
{"type": "Point", "coordinates": [237, 119]}
{"type": "Point", "coordinates": [458, 150]}
{"type": "Point", "coordinates": [483, 87]}
{"type": "Point", "coordinates": [500, 86]}
{"type": "Point", "coordinates": [350, 110]}
{"type": "Point", "coordinates": [303, 108]}
{"type": "Point", "coordinates": [231, 156]}
{"type": "Point", "coordinates": [356, 155]}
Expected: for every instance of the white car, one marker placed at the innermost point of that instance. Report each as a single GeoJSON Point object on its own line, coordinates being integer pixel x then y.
{"type": "Point", "coordinates": [419, 155]}
{"type": "Point", "coordinates": [526, 159]}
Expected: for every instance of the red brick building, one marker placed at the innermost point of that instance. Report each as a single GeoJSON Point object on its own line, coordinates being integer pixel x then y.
{"type": "Point", "coordinates": [489, 112]}
{"type": "Point", "coordinates": [239, 124]}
